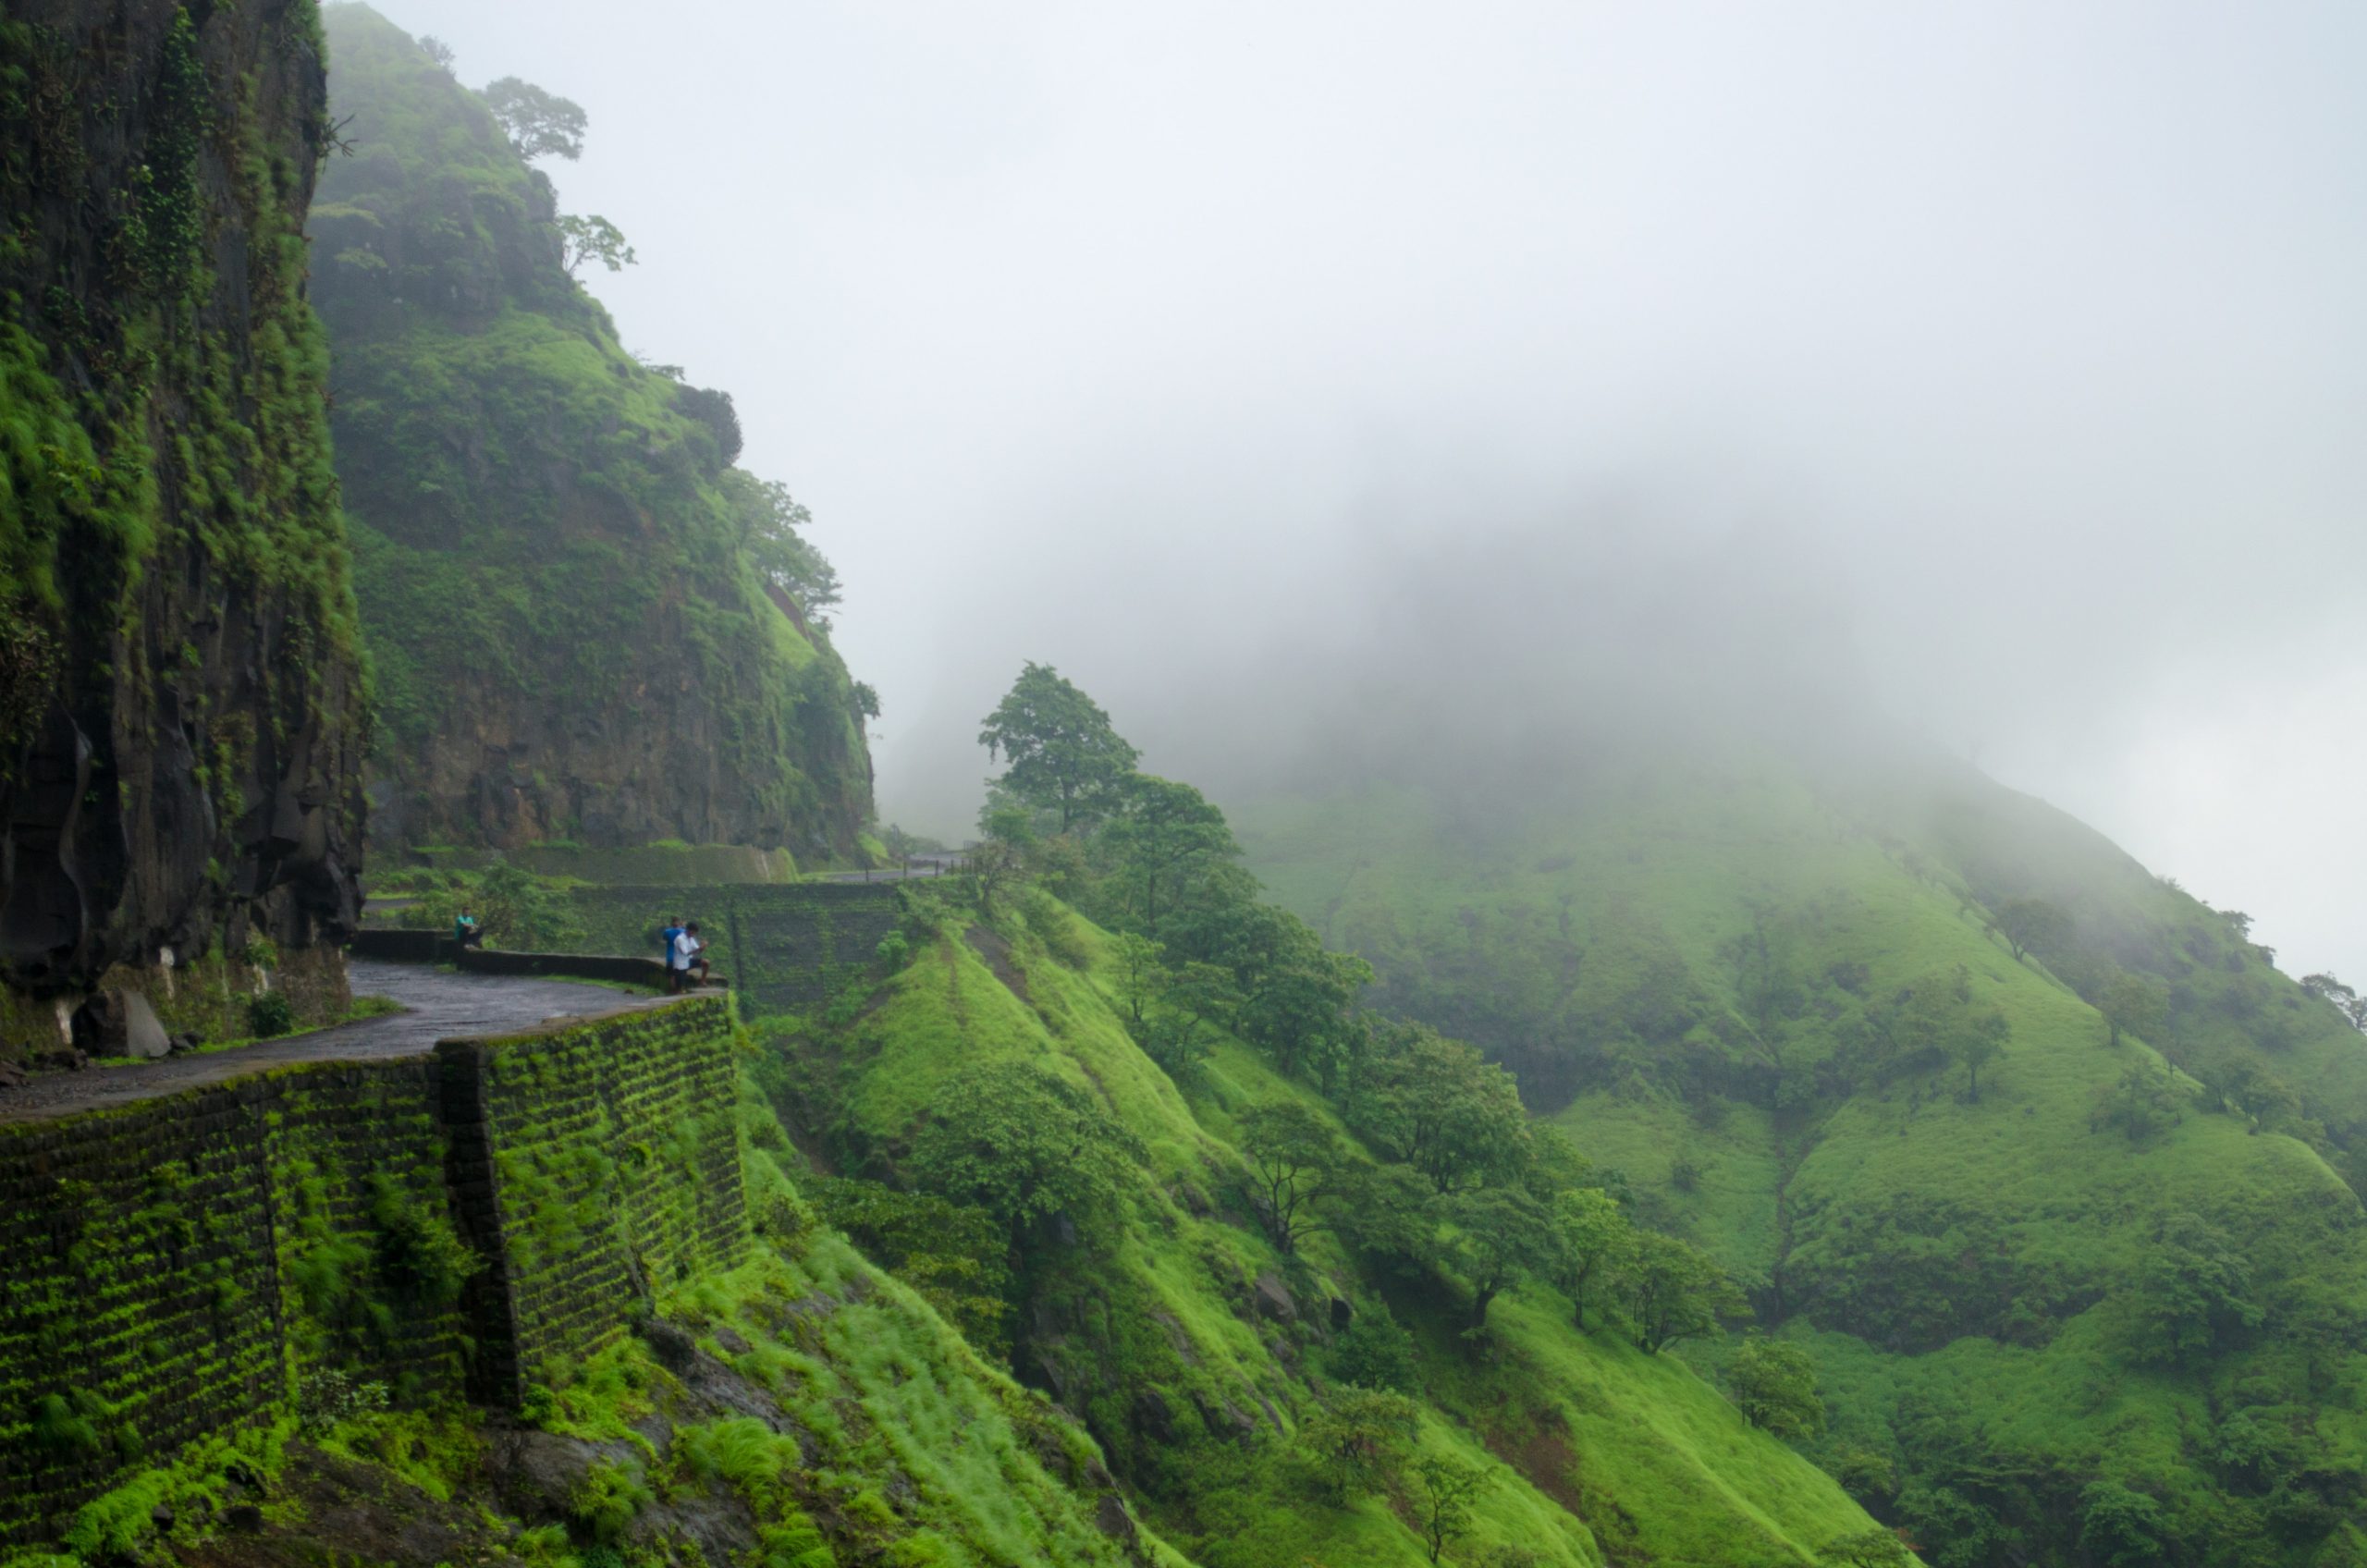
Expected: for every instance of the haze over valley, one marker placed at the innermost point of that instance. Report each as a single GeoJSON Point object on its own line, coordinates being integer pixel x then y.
{"type": "Point", "coordinates": [1518, 787]}
{"type": "Point", "coordinates": [2023, 342]}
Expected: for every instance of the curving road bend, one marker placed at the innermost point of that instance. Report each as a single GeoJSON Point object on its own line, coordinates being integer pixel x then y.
{"type": "Point", "coordinates": [439, 1004]}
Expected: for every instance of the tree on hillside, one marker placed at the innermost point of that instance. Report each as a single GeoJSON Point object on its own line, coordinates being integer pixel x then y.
{"type": "Point", "coordinates": [1162, 833]}
{"type": "Point", "coordinates": [2192, 1292]}
{"type": "Point", "coordinates": [1063, 754]}
{"type": "Point", "coordinates": [1937, 1020]}
{"type": "Point", "coordinates": [538, 123]}
{"type": "Point", "coordinates": [1025, 1144]}
{"type": "Point", "coordinates": [1591, 1237]}
{"type": "Point", "coordinates": [771, 535]}
{"type": "Point", "coordinates": [1374, 1352]}
{"type": "Point", "coordinates": [2132, 1004]}
{"type": "Point", "coordinates": [1142, 979]}
{"type": "Point", "coordinates": [1496, 1235]}
{"type": "Point", "coordinates": [2032, 925]}
{"type": "Point", "coordinates": [2243, 1085]}
{"type": "Point", "coordinates": [1440, 1107]}
{"type": "Point", "coordinates": [592, 239]}
{"type": "Point", "coordinates": [1978, 1038]}
{"type": "Point", "coordinates": [436, 50]}
{"type": "Point", "coordinates": [2347, 1001]}
{"type": "Point", "coordinates": [1388, 1210]}
{"type": "Point", "coordinates": [2138, 1102]}
{"type": "Point", "coordinates": [1673, 1290]}
{"type": "Point", "coordinates": [1295, 1160]}
{"type": "Point", "coordinates": [1443, 1490]}
{"type": "Point", "coordinates": [1193, 998]}
{"type": "Point", "coordinates": [1774, 1387]}
{"type": "Point", "coordinates": [1302, 1012]}
{"type": "Point", "coordinates": [1354, 1444]}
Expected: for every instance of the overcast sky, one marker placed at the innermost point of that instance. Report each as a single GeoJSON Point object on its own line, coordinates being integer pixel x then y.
{"type": "Point", "coordinates": [1145, 340]}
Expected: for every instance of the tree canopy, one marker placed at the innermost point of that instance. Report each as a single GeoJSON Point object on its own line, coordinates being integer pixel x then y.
{"type": "Point", "coordinates": [1774, 1387]}
{"type": "Point", "coordinates": [1673, 1291]}
{"type": "Point", "coordinates": [1591, 1240]}
{"type": "Point", "coordinates": [1440, 1107]}
{"type": "Point", "coordinates": [1293, 1158]}
{"type": "Point", "coordinates": [1063, 754]}
{"type": "Point", "coordinates": [772, 525]}
{"type": "Point", "coordinates": [1495, 1235]}
{"type": "Point", "coordinates": [1025, 1144]}
{"type": "Point", "coordinates": [539, 123]}
{"type": "Point", "coordinates": [592, 239]}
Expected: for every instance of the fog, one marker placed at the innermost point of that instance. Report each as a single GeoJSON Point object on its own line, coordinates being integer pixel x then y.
{"type": "Point", "coordinates": [2006, 361]}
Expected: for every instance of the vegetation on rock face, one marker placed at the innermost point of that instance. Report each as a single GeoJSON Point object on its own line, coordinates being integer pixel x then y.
{"type": "Point", "coordinates": [584, 622]}
{"type": "Point", "coordinates": [181, 718]}
{"type": "Point", "coordinates": [2037, 1173]}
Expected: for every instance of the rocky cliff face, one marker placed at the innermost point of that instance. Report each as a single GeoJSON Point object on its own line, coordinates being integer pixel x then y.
{"type": "Point", "coordinates": [569, 638]}
{"type": "Point", "coordinates": [182, 722]}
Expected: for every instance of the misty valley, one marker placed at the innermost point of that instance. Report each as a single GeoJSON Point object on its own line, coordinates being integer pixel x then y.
{"type": "Point", "coordinates": [540, 1023]}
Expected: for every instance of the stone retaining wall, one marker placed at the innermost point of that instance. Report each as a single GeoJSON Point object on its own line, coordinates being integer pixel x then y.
{"type": "Point", "coordinates": [602, 1165]}
{"type": "Point", "coordinates": [788, 948]}
{"type": "Point", "coordinates": [466, 1221]}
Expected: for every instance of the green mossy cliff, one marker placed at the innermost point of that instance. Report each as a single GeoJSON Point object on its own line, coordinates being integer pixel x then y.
{"type": "Point", "coordinates": [569, 638]}
{"type": "Point", "coordinates": [181, 713]}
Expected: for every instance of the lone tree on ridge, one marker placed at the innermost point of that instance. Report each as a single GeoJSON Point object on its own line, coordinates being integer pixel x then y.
{"type": "Point", "coordinates": [539, 123]}
{"type": "Point", "coordinates": [1064, 755]}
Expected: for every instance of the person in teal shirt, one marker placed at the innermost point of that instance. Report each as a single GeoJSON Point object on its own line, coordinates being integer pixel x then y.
{"type": "Point", "coordinates": [465, 930]}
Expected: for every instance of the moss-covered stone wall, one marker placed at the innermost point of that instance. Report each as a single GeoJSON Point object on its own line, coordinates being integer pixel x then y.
{"type": "Point", "coordinates": [787, 948]}
{"type": "Point", "coordinates": [603, 1160]}
{"type": "Point", "coordinates": [464, 1223]}
{"type": "Point", "coordinates": [140, 1305]}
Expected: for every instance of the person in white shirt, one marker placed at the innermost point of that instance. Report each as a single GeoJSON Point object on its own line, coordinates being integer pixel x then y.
{"type": "Point", "coordinates": [690, 952]}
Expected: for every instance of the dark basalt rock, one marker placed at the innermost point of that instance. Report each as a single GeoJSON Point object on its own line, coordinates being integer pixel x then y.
{"type": "Point", "coordinates": [119, 1024]}
{"type": "Point", "coordinates": [190, 777]}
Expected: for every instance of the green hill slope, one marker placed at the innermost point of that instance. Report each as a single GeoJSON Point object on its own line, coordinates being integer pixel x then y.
{"type": "Point", "coordinates": [557, 566]}
{"type": "Point", "coordinates": [1202, 1358]}
{"type": "Point", "coordinates": [2100, 1310]}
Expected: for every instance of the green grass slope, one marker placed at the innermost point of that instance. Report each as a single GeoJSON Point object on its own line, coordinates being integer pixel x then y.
{"type": "Point", "coordinates": [1196, 1353]}
{"type": "Point", "coordinates": [2100, 1313]}
{"type": "Point", "coordinates": [557, 564]}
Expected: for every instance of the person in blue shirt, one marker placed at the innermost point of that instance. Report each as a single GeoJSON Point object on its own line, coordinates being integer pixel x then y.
{"type": "Point", "coordinates": [667, 940]}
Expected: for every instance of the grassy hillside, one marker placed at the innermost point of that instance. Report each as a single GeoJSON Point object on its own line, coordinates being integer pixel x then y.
{"type": "Point", "coordinates": [2104, 1310]}
{"type": "Point", "coordinates": [586, 624]}
{"type": "Point", "coordinates": [1200, 1355]}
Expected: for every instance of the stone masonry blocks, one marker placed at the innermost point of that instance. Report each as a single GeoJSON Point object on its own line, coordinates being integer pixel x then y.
{"type": "Point", "coordinates": [174, 1267]}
